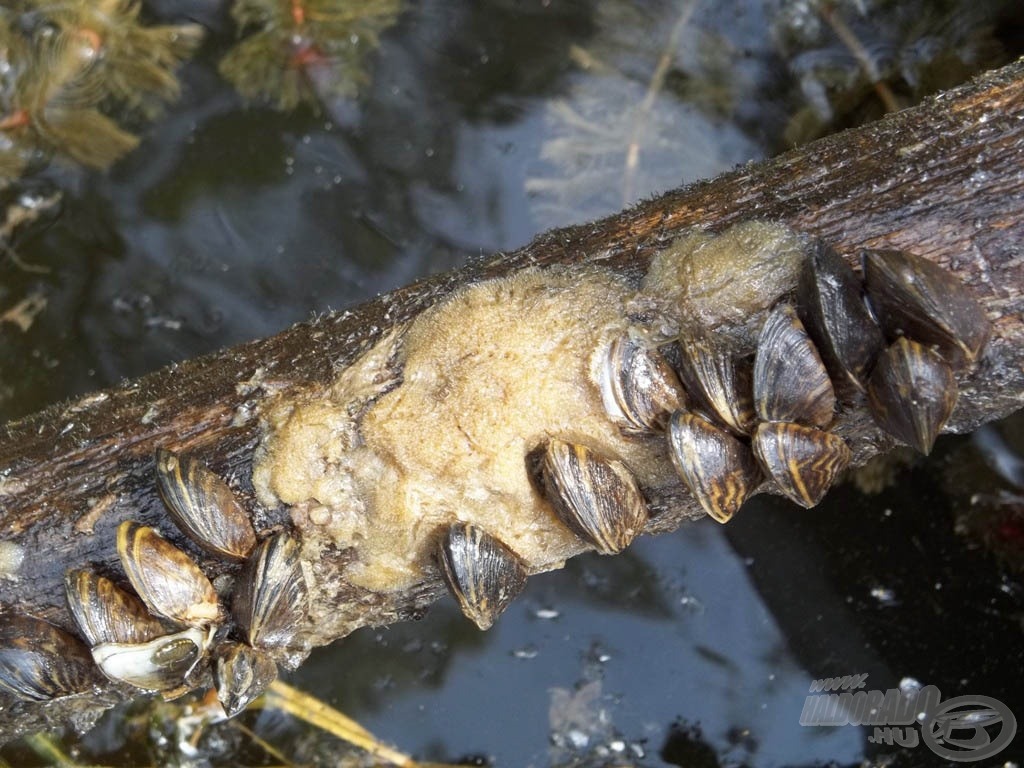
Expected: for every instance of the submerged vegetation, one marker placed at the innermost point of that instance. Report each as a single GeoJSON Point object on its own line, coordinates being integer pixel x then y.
{"type": "Point", "coordinates": [304, 51]}
{"type": "Point", "coordinates": [75, 73]}
{"type": "Point", "coordinates": [77, 78]}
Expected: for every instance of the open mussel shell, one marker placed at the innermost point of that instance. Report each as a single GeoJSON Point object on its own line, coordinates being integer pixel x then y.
{"type": "Point", "coordinates": [803, 461]}
{"type": "Point", "coordinates": [105, 613]}
{"type": "Point", "coordinates": [718, 468]}
{"type": "Point", "coordinates": [482, 572]}
{"type": "Point", "coordinates": [595, 496]}
{"type": "Point", "coordinates": [830, 302]}
{"type": "Point", "coordinates": [168, 581]}
{"type": "Point", "coordinates": [638, 386]}
{"type": "Point", "coordinates": [913, 297]}
{"type": "Point", "coordinates": [203, 506]}
{"type": "Point", "coordinates": [162, 664]}
{"type": "Point", "coordinates": [241, 673]}
{"type": "Point", "coordinates": [912, 393]}
{"type": "Point", "coordinates": [720, 383]}
{"type": "Point", "coordinates": [790, 381]}
{"type": "Point", "coordinates": [271, 596]}
{"type": "Point", "coordinates": [39, 662]}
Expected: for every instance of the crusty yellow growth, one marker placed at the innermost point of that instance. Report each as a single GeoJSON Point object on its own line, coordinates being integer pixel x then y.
{"type": "Point", "coordinates": [729, 279]}
{"type": "Point", "coordinates": [487, 376]}
{"type": "Point", "coordinates": [434, 423]}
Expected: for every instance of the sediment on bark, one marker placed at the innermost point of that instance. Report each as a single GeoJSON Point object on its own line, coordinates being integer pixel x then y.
{"type": "Point", "coordinates": [943, 180]}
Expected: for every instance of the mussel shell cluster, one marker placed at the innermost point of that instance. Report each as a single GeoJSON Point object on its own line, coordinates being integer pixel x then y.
{"type": "Point", "coordinates": [744, 426]}
{"type": "Point", "coordinates": [737, 423]}
{"type": "Point", "coordinates": [935, 328]}
{"type": "Point", "coordinates": [172, 625]}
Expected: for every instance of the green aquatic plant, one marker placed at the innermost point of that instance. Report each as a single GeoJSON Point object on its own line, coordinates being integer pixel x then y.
{"type": "Point", "coordinates": [73, 70]}
{"type": "Point", "coordinates": [303, 51]}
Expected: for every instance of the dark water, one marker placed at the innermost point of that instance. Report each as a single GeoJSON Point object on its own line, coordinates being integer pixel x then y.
{"type": "Point", "coordinates": [478, 125]}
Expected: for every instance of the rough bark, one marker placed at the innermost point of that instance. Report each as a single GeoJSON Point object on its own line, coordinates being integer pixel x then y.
{"type": "Point", "coordinates": [944, 180]}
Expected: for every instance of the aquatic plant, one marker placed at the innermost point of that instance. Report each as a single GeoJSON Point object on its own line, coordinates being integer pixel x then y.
{"type": "Point", "coordinates": [304, 51]}
{"type": "Point", "coordinates": [74, 71]}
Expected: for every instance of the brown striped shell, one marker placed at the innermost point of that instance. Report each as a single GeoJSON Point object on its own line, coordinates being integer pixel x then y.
{"type": "Point", "coordinates": [241, 673]}
{"type": "Point", "coordinates": [105, 613]}
{"type": "Point", "coordinates": [594, 496]}
{"type": "Point", "coordinates": [271, 596]}
{"type": "Point", "coordinates": [719, 383]}
{"type": "Point", "coordinates": [803, 461]}
{"type": "Point", "coordinates": [790, 381]}
{"type": "Point", "coordinates": [482, 572]}
{"type": "Point", "coordinates": [638, 386]}
{"type": "Point", "coordinates": [168, 581]}
{"type": "Point", "coordinates": [203, 507]}
{"type": "Point", "coordinates": [912, 393]}
{"type": "Point", "coordinates": [717, 467]}
{"type": "Point", "coordinates": [39, 662]}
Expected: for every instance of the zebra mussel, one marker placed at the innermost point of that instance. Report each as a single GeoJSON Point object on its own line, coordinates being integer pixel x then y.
{"type": "Point", "coordinates": [168, 581]}
{"type": "Point", "coordinates": [483, 573]}
{"type": "Point", "coordinates": [203, 507]}
{"type": "Point", "coordinates": [39, 661]}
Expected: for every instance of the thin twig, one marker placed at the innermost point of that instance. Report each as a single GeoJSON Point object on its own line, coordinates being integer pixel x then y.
{"type": "Point", "coordinates": [643, 111]}
{"type": "Point", "coordinates": [320, 714]}
{"type": "Point", "coordinates": [263, 744]}
{"type": "Point", "coordinates": [850, 40]}
{"type": "Point", "coordinates": [48, 749]}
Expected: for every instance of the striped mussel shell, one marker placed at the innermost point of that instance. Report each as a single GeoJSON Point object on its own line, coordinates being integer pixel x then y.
{"type": "Point", "coordinates": [168, 581]}
{"type": "Point", "coordinates": [912, 393]}
{"type": "Point", "coordinates": [802, 461]}
{"type": "Point", "coordinates": [790, 381]}
{"type": "Point", "coordinates": [161, 664]}
{"type": "Point", "coordinates": [913, 297]}
{"type": "Point", "coordinates": [105, 613]}
{"type": "Point", "coordinates": [39, 662]}
{"type": "Point", "coordinates": [241, 673]}
{"type": "Point", "coordinates": [482, 572]}
{"type": "Point", "coordinates": [595, 496]}
{"type": "Point", "coordinates": [203, 506]}
{"type": "Point", "coordinates": [718, 381]}
{"type": "Point", "coordinates": [271, 596]}
{"type": "Point", "coordinates": [830, 302]}
{"type": "Point", "coordinates": [717, 467]}
{"type": "Point", "coordinates": [638, 386]}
